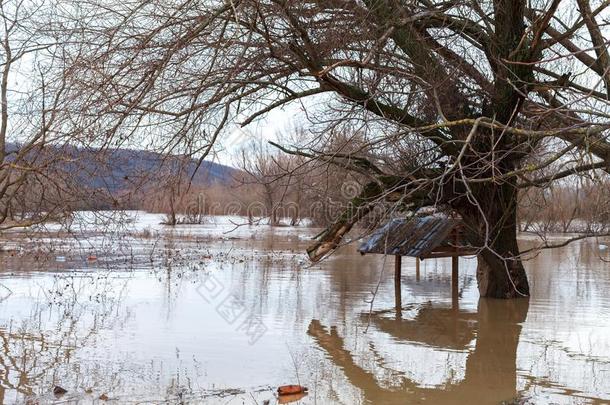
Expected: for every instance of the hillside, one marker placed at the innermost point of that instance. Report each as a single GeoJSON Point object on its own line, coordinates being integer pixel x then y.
{"type": "Point", "coordinates": [119, 170]}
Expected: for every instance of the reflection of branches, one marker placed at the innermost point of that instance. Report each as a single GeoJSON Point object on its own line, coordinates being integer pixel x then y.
{"type": "Point", "coordinates": [333, 344]}
{"type": "Point", "coordinates": [35, 352]}
{"type": "Point", "coordinates": [496, 347]}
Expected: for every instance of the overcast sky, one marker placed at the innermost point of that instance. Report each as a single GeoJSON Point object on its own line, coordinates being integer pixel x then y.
{"type": "Point", "coordinates": [270, 127]}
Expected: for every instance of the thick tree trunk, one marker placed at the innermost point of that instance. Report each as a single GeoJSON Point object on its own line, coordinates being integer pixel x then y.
{"type": "Point", "coordinates": [501, 276]}
{"type": "Point", "coordinates": [500, 273]}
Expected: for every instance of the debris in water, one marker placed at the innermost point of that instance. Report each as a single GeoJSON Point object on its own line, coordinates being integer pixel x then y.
{"type": "Point", "coordinates": [59, 390]}
{"type": "Point", "coordinates": [286, 399]}
{"type": "Point", "coordinates": [291, 389]}
{"type": "Point", "coordinates": [104, 397]}
{"type": "Point", "coordinates": [92, 258]}
{"type": "Point", "coordinates": [519, 400]}
{"type": "Point", "coordinates": [60, 258]}
{"type": "Point", "coordinates": [89, 391]}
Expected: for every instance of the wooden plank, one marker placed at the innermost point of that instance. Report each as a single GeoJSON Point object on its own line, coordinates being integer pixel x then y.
{"type": "Point", "coordinates": [455, 263]}
{"type": "Point", "coordinates": [436, 255]}
{"type": "Point", "coordinates": [397, 285]}
{"type": "Point", "coordinates": [450, 249]}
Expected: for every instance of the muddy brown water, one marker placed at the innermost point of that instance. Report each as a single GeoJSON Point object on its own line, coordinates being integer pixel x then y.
{"type": "Point", "coordinates": [209, 320]}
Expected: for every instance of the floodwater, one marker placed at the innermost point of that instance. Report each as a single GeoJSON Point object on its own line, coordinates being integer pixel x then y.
{"type": "Point", "coordinates": [198, 315]}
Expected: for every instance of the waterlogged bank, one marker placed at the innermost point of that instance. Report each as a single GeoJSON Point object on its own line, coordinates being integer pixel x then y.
{"type": "Point", "coordinates": [206, 316]}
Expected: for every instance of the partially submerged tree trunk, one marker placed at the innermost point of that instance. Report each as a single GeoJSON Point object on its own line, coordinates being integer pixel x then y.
{"type": "Point", "coordinates": [500, 272]}
{"type": "Point", "coordinates": [492, 225]}
{"type": "Point", "coordinates": [171, 215]}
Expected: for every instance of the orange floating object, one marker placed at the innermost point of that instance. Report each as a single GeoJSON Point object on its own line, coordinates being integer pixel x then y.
{"type": "Point", "coordinates": [92, 258]}
{"type": "Point", "coordinates": [286, 399]}
{"type": "Point", "coordinates": [291, 389]}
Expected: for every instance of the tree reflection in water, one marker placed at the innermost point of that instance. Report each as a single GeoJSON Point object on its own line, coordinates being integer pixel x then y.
{"type": "Point", "coordinates": [97, 325]}
{"type": "Point", "coordinates": [491, 370]}
{"type": "Point", "coordinates": [38, 352]}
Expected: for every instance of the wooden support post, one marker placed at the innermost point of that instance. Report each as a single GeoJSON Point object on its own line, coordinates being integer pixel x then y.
{"type": "Point", "coordinates": [397, 285]}
{"type": "Point", "coordinates": [455, 262]}
{"type": "Point", "coordinates": [417, 261]}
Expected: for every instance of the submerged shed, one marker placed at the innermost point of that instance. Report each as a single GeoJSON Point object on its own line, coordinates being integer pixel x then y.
{"type": "Point", "coordinates": [422, 237]}
{"type": "Point", "coordinates": [416, 237]}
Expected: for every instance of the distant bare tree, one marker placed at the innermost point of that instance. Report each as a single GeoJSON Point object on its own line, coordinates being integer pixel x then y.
{"type": "Point", "coordinates": [262, 169]}
{"type": "Point", "coordinates": [293, 186]}
{"type": "Point", "coordinates": [577, 206]}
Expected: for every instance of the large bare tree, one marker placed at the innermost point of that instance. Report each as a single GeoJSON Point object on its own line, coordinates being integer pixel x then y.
{"type": "Point", "coordinates": [464, 103]}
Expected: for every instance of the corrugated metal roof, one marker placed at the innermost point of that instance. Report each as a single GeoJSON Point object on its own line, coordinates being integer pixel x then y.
{"type": "Point", "coordinates": [410, 237]}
